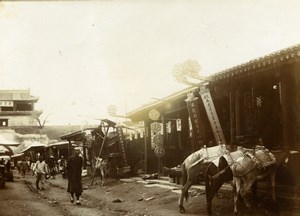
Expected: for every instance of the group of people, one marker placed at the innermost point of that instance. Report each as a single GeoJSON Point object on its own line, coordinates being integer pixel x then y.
{"type": "Point", "coordinates": [71, 168]}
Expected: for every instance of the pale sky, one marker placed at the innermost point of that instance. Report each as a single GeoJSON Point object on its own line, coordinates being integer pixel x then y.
{"type": "Point", "coordinates": [79, 57]}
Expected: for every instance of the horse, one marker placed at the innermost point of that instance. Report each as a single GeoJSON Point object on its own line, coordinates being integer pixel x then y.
{"type": "Point", "coordinates": [102, 165]}
{"type": "Point", "coordinates": [217, 174]}
{"type": "Point", "coordinates": [194, 167]}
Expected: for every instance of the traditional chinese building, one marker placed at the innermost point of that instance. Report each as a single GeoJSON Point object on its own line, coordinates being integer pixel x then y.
{"type": "Point", "coordinates": [17, 108]}
{"type": "Point", "coordinates": [259, 99]}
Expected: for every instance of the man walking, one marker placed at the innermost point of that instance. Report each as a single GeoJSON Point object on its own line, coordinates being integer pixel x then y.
{"type": "Point", "coordinates": [74, 169]}
{"type": "Point", "coordinates": [40, 170]}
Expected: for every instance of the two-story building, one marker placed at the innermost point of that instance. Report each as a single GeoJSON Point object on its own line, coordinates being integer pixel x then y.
{"type": "Point", "coordinates": [17, 108]}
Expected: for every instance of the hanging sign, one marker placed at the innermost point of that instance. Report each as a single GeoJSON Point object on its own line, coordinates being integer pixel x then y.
{"type": "Point", "coordinates": [154, 114]}
{"type": "Point", "coordinates": [194, 113]}
{"type": "Point", "coordinates": [159, 151]}
{"type": "Point", "coordinates": [178, 124]}
{"type": "Point", "coordinates": [155, 127]}
{"type": "Point", "coordinates": [169, 127]}
{"type": "Point", "coordinates": [212, 115]}
{"type": "Point", "coordinates": [157, 140]}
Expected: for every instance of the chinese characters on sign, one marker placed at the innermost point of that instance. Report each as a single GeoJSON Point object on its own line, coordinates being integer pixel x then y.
{"type": "Point", "coordinates": [6, 103]}
{"type": "Point", "coordinates": [194, 113]}
{"type": "Point", "coordinates": [212, 115]}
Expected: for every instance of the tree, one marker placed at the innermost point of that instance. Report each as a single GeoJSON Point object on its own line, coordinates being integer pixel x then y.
{"type": "Point", "coordinates": [40, 118]}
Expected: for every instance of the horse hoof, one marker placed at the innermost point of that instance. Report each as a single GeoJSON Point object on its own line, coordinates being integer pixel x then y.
{"type": "Point", "coordinates": [182, 210]}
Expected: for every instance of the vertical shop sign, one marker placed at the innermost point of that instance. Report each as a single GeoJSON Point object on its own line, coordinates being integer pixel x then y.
{"type": "Point", "coordinates": [122, 142]}
{"type": "Point", "coordinates": [178, 124]}
{"type": "Point", "coordinates": [194, 113]}
{"type": "Point", "coordinates": [212, 115]}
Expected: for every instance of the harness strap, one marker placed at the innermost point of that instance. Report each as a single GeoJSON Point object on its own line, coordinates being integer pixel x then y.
{"type": "Point", "coordinates": [219, 173]}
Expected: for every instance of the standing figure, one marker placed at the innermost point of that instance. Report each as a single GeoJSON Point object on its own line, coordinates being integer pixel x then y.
{"type": "Point", "coordinates": [8, 165]}
{"type": "Point", "coordinates": [62, 166]}
{"type": "Point", "coordinates": [23, 167]}
{"type": "Point", "coordinates": [52, 166]}
{"type": "Point", "coordinates": [40, 170]}
{"type": "Point", "coordinates": [74, 170]}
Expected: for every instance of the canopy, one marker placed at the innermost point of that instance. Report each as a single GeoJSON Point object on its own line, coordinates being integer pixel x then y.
{"type": "Point", "coordinates": [4, 141]}
{"type": "Point", "coordinates": [63, 144]}
{"type": "Point", "coordinates": [17, 155]}
{"type": "Point", "coordinates": [4, 150]}
{"type": "Point", "coordinates": [35, 146]}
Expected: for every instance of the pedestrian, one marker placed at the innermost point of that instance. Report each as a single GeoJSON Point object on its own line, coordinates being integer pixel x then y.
{"type": "Point", "coordinates": [74, 170]}
{"type": "Point", "coordinates": [40, 171]}
{"type": "Point", "coordinates": [52, 166]}
{"type": "Point", "coordinates": [23, 167]}
{"type": "Point", "coordinates": [62, 166]}
{"type": "Point", "coordinates": [8, 165]}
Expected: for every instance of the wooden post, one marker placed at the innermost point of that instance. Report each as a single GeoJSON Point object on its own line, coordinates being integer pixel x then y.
{"type": "Point", "coordinates": [69, 148]}
{"type": "Point", "coordinates": [231, 118]}
{"type": "Point", "coordinates": [84, 153]}
{"type": "Point", "coordinates": [237, 114]}
{"type": "Point", "coordinates": [146, 146]}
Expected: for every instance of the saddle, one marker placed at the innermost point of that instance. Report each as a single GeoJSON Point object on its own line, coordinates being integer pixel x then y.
{"type": "Point", "coordinates": [261, 157]}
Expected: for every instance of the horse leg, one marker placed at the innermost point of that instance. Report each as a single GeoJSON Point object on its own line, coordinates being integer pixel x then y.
{"type": "Point", "coordinates": [243, 191]}
{"type": "Point", "coordinates": [102, 176]}
{"type": "Point", "coordinates": [184, 193]}
{"type": "Point", "coordinates": [236, 191]}
{"type": "Point", "coordinates": [272, 179]}
{"type": "Point", "coordinates": [254, 192]}
{"type": "Point", "coordinates": [212, 187]}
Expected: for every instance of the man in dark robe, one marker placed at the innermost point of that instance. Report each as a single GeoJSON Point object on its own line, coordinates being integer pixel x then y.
{"type": "Point", "coordinates": [74, 169]}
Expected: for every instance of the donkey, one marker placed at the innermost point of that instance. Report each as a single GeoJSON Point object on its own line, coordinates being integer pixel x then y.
{"type": "Point", "coordinates": [252, 167]}
{"type": "Point", "coordinates": [102, 165]}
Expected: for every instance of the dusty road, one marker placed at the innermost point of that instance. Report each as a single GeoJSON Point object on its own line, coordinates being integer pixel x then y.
{"type": "Point", "coordinates": [128, 197]}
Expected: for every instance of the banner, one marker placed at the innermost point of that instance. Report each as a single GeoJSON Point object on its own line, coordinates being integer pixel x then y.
{"type": "Point", "coordinates": [212, 115]}
{"type": "Point", "coordinates": [178, 124]}
{"type": "Point", "coordinates": [194, 113]}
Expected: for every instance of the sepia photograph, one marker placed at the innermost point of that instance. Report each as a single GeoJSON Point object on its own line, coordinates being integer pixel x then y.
{"type": "Point", "coordinates": [149, 108]}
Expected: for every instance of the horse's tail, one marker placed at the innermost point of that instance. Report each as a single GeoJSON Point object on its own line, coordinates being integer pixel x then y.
{"type": "Point", "coordinates": [184, 178]}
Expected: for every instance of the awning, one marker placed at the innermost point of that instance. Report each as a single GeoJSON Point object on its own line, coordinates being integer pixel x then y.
{"type": "Point", "coordinates": [4, 141]}
{"type": "Point", "coordinates": [35, 146]}
{"type": "Point", "coordinates": [4, 150]}
{"type": "Point", "coordinates": [17, 155]}
{"type": "Point", "coordinates": [63, 144]}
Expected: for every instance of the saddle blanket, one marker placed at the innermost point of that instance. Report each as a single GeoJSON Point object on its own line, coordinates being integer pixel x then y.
{"type": "Point", "coordinates": [205, 155]}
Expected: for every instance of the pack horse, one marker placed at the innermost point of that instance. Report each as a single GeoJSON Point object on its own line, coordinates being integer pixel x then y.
{"type": "Point", "coordinates": [194, 167]}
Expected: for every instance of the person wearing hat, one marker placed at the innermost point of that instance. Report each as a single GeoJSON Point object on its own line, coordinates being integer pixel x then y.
{"type": "Point", "coordinates": [74, 170]}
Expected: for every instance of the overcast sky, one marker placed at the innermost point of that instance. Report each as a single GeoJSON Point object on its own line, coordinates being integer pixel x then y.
{"type": "Point", "coordinates": [79, 57]}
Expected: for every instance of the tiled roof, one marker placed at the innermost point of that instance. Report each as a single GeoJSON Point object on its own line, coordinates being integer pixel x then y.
{"type": "Point", "coordinates": [288, 55]}
{"type": "Point", "coordinates": [171, 97]}
{"type": "Point", "coordinates": [17, 95]}
{"type": "Point", "coordinates": [284, 56]}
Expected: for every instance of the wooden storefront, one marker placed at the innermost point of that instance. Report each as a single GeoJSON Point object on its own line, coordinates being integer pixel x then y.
{"type": "Point", "coordinates": [257, 103]}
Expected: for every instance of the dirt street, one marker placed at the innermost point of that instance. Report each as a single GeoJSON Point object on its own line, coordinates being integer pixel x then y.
{"type": "Point", "coordinates": [125, 197]}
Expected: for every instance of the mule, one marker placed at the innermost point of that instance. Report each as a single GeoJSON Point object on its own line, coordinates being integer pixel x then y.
{"type": "Point", "coordinates": [252, 167]}
{"type": "Point", "coordinates": [194, 167]}
{"type": "Point", "coordinates": [101, 164]}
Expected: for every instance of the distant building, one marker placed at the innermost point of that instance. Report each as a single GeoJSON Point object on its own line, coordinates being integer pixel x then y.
{"type": "Point", "coordinates": [17, 108]}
